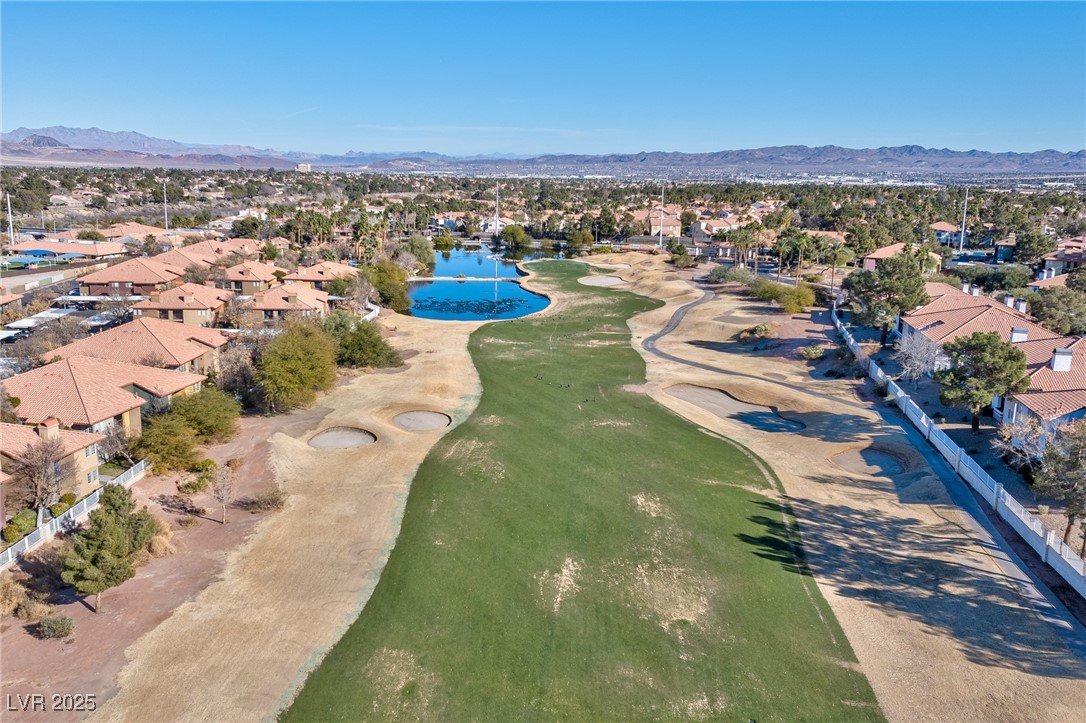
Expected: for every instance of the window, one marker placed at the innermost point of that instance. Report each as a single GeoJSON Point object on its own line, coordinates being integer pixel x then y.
{"type": "Point", "coordinates": [89, 478]}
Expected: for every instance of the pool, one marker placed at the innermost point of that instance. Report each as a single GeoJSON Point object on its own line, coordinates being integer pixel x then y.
{"type": "Point", "coordinates": [473, 300]}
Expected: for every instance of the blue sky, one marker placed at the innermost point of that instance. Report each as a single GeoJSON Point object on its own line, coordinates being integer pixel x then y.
{"type": "Point", "coordinates": [565, 77]}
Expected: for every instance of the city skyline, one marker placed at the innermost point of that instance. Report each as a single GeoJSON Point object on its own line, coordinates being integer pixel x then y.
{"type": "Point", "coordinates": [527, 79]}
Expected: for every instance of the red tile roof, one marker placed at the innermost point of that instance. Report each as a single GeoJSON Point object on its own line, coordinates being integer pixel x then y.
{"type": "Point", "coordinates": [187, 296]}
{"type": "Point", "coordinates": [136, 271]}
{"type": "Point", "coordinates": [323, 271]}
{"type": "Point", "coordinates": [15, 438]}
{"type": "Point", "coordinates": [146, 338]}
{"type": "Point", "coordinates": [83, 390]}
{"type": "Point", "coordinates": [277, 298]}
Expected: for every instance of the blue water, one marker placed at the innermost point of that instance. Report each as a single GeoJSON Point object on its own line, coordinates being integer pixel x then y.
{"type": "Point", "coordinates": [473, 300]}
{"type": "Point", "coordinates": [473, 263]}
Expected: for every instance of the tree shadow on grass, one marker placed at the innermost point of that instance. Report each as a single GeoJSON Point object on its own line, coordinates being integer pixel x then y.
{"type": "Point", "coordinates": [937, 577]}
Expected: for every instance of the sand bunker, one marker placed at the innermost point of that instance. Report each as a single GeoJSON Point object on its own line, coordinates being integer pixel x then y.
{"type": "Point", "coordinates": [871, 461]}
{"type": "Point", "coordinates": [342, 438]}
{"type": "Point", "coordinates": [601, 281]}
{"type": "Point", "coordinates": [421, 421]}
{"type": "Point", "coordinates": [724, 405]}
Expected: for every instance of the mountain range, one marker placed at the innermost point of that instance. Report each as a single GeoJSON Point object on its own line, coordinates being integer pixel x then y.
{"type": "Point", "coordinates": [64, 146]}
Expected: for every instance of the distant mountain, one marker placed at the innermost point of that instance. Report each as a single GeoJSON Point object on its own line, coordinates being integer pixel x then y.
{"type": "Point", "coordinates": [60, 145]}
{"type": "Point", "coordinates": [96, 138]}
{"type": "Point", "coordinates": [42, 142]}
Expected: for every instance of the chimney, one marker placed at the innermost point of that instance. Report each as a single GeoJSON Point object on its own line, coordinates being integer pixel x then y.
{"type": "Point", "coordinates": [974, 290]}
{"type": "Point", "coordinates": [49, 428]}
{"type": "Point", "coordinates": [292, 297]}
{"type": "Point", "coordinates": [1019, 334]}
{"type": "Point", "coordinates": [965, 287]}
{"type": "Point", "coordinates": [1020, 306]}
{"type": "Point", "coordinates": [188, 298]}
{"type": "Point", "coordinates": [1061, 360]}
{"type": "Point", "coordinates": [210, 282]}
{"type": "Point", "coordinates": [1009, 300]}
{"type": "Point", "coordinates": [156, 297]}
{"type": "Point", "coordinates": [1049, 273]}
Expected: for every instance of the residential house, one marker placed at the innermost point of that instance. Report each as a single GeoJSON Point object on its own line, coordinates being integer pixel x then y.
{"type": "Point", "coordinates": [871, 261]}
{"type": "Point", "coordinates": [946, 233]}
{"type": "Point", "coordinates": [249, 277]}
{"type": "Point", "coordinates": [320, 274]}
{"type": "Point", "coordinates": [188, 256]}
{"type": "Point", "coordinates": [77, 467]}
{"type": "Point", "coordinates": [138, 230]}
{"type": "Point", "coordinates": [152, 342]}
{"type": "Point", "coordinates": [281, 302]}
{"type": "Point", "coordinates": [195, 304]}
{"type": "Point", "coordinates": [90, 394]}
{"type": "Point", "coordinates": [953, 313]}
{"type": "Point", "coordinates": [1047, 279]}
{"type": "Point", "coordinates": [1057, 386]}
{"type": "Point", "coordinates": [672, 226]}
{"type": "Point", "coordinates": [1068, 256]}
{"type": "Point", "coordinates": [135, 277]}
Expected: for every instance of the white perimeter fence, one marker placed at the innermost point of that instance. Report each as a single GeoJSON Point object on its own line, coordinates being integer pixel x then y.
{"type": "Point", "coordinates": [1045, 541]}
{"type": "Point", "coordinates": [67, 521]}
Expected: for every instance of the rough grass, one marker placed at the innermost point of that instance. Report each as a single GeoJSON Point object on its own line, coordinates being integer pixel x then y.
{"type": "Point", "coordinates": [571, 563]}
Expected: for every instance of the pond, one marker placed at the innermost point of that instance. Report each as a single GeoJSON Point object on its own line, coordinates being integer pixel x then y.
{"type": "Point", "coordinates": [473, 300]}
{"type": "Point", "coordinates": [476, 264]}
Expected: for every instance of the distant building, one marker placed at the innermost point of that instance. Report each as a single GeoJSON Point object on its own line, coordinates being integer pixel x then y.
{"type": "Point", "coordinates": [303, 168]}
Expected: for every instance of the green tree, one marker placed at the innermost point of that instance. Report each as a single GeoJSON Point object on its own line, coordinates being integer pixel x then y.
{"type": "Point", "coordinates": [581, 239]}
{"type": "Point", "coordinates": [299, 363]}
{"type": "Point", "coordinates": [102, 554]}
{"type": "Point", "coordinates": [168, 443]}
{"type": "Point", "coordinates": [211, 413]}
{"type": "Point", "coordinates": [514, 236]}
{"type": "Point", "coordinates": [1060, 309]}
{"type": "Point", "coordinates": [687, 219]}
{"type": "Point", "coordinates": [982, 366]}
{"type": "Point", "coordinates": [90, 236]}
{"type": "Point", "coordinates": [363, 347]}
{"type": "Point", "coordinates": [246, 227]}
{"type": "Point", "coordinates": [894, 286]}
{"type": "Point", "coordinates": [1030, 246]}
{"type": "Point", "coordinates": [1063, 474]}
{"type": "Point", "coordinates": [270, 252]}
{"type": "Point", "coordinates": [743, 241]}
{"type": "Point", "coordinates": [607, 225]}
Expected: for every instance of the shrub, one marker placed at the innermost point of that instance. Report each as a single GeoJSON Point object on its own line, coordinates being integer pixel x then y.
{"type": "Point", "coordinates": [12, 592]}
{"type": "Point", "coordinates": [12, 534]}
{"type": "Point", "coordinates": [194, 485]}
{"type": "Point", "coordinates": [272, 500]}
{"type": "Point", "coordinates": [55, 627]}
{"type": "Point", "coordinates": [168, 443]}
{"type": "Point", "coordinates": [31, 610]}
{"type": "Point", "coordinates": [364, 347]}
{"type": "Point", "coordinates": [139, 558]}
{"type": "Point", "coordinates": [58, 509]}
{"type": "Point", "coordinates": [204, 466]}
{"type": "Point", "coordinates": [211, 413]}
{"type": "Point", "coordinates": [187, 521]}
{"type": "Point", "coordinates": [812, 278]}
{"type": "Point", "coordinates": [721, 274]}
{"type": "Point", "coordinates": [68, 498]}
{"type": "Point", "coordinates": [796, 299]}
{"type": "Point", "coordinates": [812, 352]}
{"type": "Point", "coordinates": [161, 546]}
{"type": "Point", "coordinates": [26, 521]}
{"type": "Point", "coordinates": [299, 363]}
{"type": "Point", "coordinates": [682, 261]}
{"type": "Point", "coordinates": [765, 290]}
{"type": "Point", "coordinates": [1043, 510]}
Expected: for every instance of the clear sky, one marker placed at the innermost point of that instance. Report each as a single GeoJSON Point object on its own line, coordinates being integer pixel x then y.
{"type": "Point", "coordinates": [558, 77]}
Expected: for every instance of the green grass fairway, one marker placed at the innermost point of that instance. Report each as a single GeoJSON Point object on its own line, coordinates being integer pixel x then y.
{"type": "Point", "coordinates": [580, 553]}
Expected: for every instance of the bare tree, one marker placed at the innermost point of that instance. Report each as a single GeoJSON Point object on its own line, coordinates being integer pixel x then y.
{"type": "Point", "coordinates": [116, 445]}
{"type": "Point", "coordinates": [154, 359]}
{"type": "Point", "coordinates": [1063, 473]}
{"type": "Point", "coordinates": [196, 274]}
{"type": "Point", "coordinates": [236, 372]}
{"type": "Point", "coordinates": [8, 404]}
{"type": "Point", "coordinates": [1022, 441]}
{"type": "Point", "coordinates": [116, 306]}
{"type": "Point", "coordinates": [222, 487]}
{"type": "Point", "coordinates": [918, 355]}
{"type": "Point", "coordinates": [38, 468]}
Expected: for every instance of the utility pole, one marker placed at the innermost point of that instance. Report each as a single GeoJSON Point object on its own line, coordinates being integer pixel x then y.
{"type": "Point", "coordinates": [11, 227]}
{"type": "Point", "coordinates": [961, 239]}
{"type": "Point", "coordinates": [165, 211]}
{"type": "Point", "coordinates": [661, 242]}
